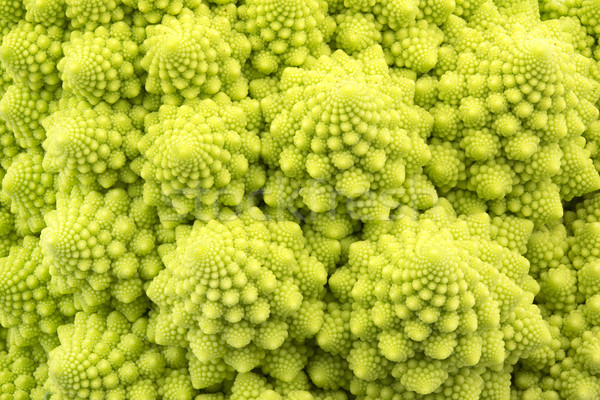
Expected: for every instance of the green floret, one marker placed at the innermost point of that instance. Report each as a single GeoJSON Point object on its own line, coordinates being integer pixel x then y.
{"type": "Point", "coordinates": [252, 386]}
{"type": "Point", "coordinates": [23, 371]}
{"type": "Point", "coordinates": [100, 248]}
{"type": "Point", "coordinates": [8, 231]}
{"type": "Point", "coordinates": [27, 304]}
{"type": "Point", "coordinates": [432, 296]}
{"type": "Point", "coordinates": [5, 80]}
{"type": "Point", "coordinates": [445, 168]}
{"type": "Point", "coordinates": [356, 31]}
{"type": "Point", "coordinates": [414, 46]}
{"type": "Point", "coordinates": [31, 190]}
{"type": "Point", "coordinates": [539, 201]}
{"type": "Point", "coordinates": [11, 11]}
{"type": "Point", "coordinates": [346, 133]}
{"type": "Point", "coordinates": [30, 52]}
{"type": "Point", "coordinates": [565, 258]}
{"type": "Point", "coordinates": [89, 14]}
{"type": "Point", "coordinates": [408, 30]}
{"type": "Point", "coordinates": [24, 109]}
{"type": "Point", "coordinates": [153, 11]}
{"type": "Point", "coordinates": [243, 313]}
{"type": "Point", "coordinates": [589, 14]}
{"type": "Point", "coordinates": [284, 32]}
{"type": "Point", "coordinates": [511, 232]}
{"type": "Point", "coordinates": [394, 13]}
{"type": "Point", "coordinates": [547, 248]}
{"type": "Point", "coordinates": [195, 53]}
{"type": "Point", "coordinates": [91, 146]}
{"type": "Point", "coordinates": [45, 12]}
{"type": "Point", "coordinates": [105, 356]}
{"type": "Point", "coordinates": [518, 98]}
{"type": "Point", "coordinates": [102, 65]}
{"type": "Point", "coordinates": [327, 235]}
{"type": "Point", "coordinates": [570, 30]}
{"type": "Point", "coordinates": [199, 157]}
{"type": "Point", "coordinates": [300, 199]}
{"type": "Point", "coordinates": [328, 371]}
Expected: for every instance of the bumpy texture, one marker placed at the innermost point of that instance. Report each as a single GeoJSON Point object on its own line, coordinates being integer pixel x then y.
{"type": "Point", "coordinates": [408, 30]}
{"type": "Point", "coordinates": [153, 11]}
{"type": "Point", "coordinates": [90, 146]}
{"type": "Point", "coordinates": [241, 293]}
{"type": "Point", "coordinates": [569, 298]}
{"type": "Point", "coordinates": [24, 370]}
{"type": "Point", "coordinates": [101, 65]}
{"type": "Point", "coordinates": [9, 234]}
{"type": "Point", "coordinates": [300, 199]}
{"type": "Point", "coordinates": [31, 190]}
{"type": "Point", "coordinates": [105, 356]}
{"type": "Point", "coordinates": [198, 157]}
{"type": "Point", "coordinates": [195, 53]}
{"type": "Point", "coordinates": [100, 247]}
{"type": "Point", "coordinates": [511, 99]}
{"type": "Point", "coordinates": [284, 32]}
{"type": "Point", "coordinates": [89, 14]}
{"type": "Point", "coordinates": [431, 301]}
{"type": "Point", "coordinates": [251, 386]}
{"type": "Point", "coordinates": [27, 304]}
{"type": "Point", "coordinates": [347, 132]}
{"type": "Point", "coordinates": [30, 52]}
{"type": "Point", "coordinates": [46, 13]}
{"type": "Point", "coordinates": [23, 109]}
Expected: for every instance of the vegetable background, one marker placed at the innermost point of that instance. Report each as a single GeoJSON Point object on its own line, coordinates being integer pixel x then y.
{"type": "Point", "coordinates": [299, 199]}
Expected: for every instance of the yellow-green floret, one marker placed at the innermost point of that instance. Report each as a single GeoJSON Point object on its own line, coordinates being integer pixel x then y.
{"type": "Point", "coordinates": [200, 156]}
{"type": "Point", "coordinates": [434, 301]}
{"type": "Point", "coordinates": [101, 249]}
{"type": "Point", "coordinates": [347, 132]}
{"type": "Point", "coordinates": [107, 357]}
{"type": "Point", "coordinates": [195, 53]}
{"type": "Point", "coordinates": [242, 293]}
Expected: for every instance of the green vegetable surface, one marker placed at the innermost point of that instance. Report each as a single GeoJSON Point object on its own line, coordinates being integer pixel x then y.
{"type": "Point", "coordinates": [300, 199]}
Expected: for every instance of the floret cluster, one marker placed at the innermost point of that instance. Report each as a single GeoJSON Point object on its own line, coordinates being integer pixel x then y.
{"type": "Point", "coordinates": [300, 199]}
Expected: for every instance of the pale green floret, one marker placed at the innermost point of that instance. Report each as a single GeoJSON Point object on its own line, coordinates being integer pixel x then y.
{"type": "Point", "coordinates": [346, 131]}
{"type": "Point", "coordinates": [102, 65]}
{"type": "Point", "coordinates": [45, 12]}
{"type": "Point", "coordinates": [199, 156]}
{"type": "Point", "coordinates": [284, 32]}
{"type": "Point", "coordinates": [394, 13]}
{"type": "Point", "coordinates": [30, 52]}
{"type": "Point", "coordinates": [328, 371]}
{"type": "Point", "coordinates": [27, 304]}
{"type": "Point", "coordinates": [31, 190]}
{"type": "Point", "coordinates": [299, 199]}
{"type": "Point", "coordinates": [564, 261]}
{"type": "Point", "coordinates": [195, 53]}
{"type": "Point", "coordinates": [23, 370]}
{"type": "Point", "coordinates": [8, 231]}
{"type": "Point", "coordinates": [152, 11]}
{"type": "Point", "coordinates": [238, 314]}
{"type": "Point", "coordinates": [11, 11]}
{"type": "Point", "coordinates": [23, 109]}
{"type": "Point", "coordinates": [435, 294]}
{"type": "Point", "coordinates": [100, 248]}
{"type": "Point", "coordinates": [589, 14]}
{"type": "Point", "coordinates": [414, 47]}
{"type": "Point", "coordinates": [356, 31]}
{"type": "Point", "coordinates": [90, 146]}
{"type": "Point", "coordinates": [519, 99]}
{"type": "Point", "coordinates": [106, 356]}
{"type": "Point", "coordinates": [88, 14]}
